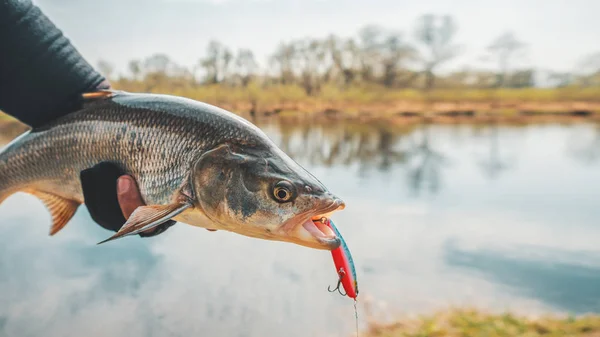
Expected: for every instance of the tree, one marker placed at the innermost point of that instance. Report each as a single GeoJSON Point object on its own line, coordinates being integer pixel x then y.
{"type": "Point", "coordinates": [521, 79]}
{"type": "Point", "coordinates": [135, 67]}
{"type": "Point", "coordinates": [394, 53]}
{"type": "Point", "coordinates": [435, 34]}
{"type": "Point", "coordinates": [283, 61]}
{"type": "Point", "coordinates": [346, 59]}
{"type": "Point", "coordinates": [559, 79]}
{"type": "Point", "coordinates": [310, 57]}
{"type": "Point", "coordinates": [246, 66]}
{"type": "Point", "coordinates": [157, 63]}
{"type": "Point", "coordinates": [505, 48]}
{"type": "Point", "coordinates": [216, 63]}
{"type": "Point", "coordinates": [589, 70]}
{"type": "Point", "coordinates": [158, 70]}
{"type": "Point", "coordinates": [106, 68]}
{"type": "Point", "coordinates": [370, 41]}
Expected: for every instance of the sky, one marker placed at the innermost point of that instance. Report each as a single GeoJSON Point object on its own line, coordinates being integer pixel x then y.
{"type": "Point", "coordinates": [559, 33]}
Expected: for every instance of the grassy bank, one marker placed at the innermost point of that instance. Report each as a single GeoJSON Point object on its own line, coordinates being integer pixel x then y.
{"type": "Point", "coordinates": [374, 100]}
{"type": "Point", "coordinates": [366, 103]}
{"type": "Point", "coordinates": [473, 323]}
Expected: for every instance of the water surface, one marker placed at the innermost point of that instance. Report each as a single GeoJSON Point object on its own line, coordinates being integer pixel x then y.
{"type": "Point", "coordinates": [500, 217]}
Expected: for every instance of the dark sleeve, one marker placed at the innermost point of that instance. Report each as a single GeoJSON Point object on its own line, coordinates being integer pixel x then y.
{"type": "Point", "coordinates": [41, 73]}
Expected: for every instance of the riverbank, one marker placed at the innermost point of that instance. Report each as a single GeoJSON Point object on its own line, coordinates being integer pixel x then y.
{"type": "Point", "coordinates": [396, 107]}
{"type": "Point", "coordinates": [370, 102]}
{"type": "Point", "coordinates": [474, 323]}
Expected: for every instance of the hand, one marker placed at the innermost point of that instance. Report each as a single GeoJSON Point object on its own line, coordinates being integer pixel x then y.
{"type": "Point", "coordinates": [111, 197]}
{"type": "Point", "coordinates": [130, 198]}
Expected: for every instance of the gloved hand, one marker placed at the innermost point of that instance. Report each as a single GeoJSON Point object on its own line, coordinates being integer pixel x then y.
{"type": "Point", "coordinates": [111, 196]}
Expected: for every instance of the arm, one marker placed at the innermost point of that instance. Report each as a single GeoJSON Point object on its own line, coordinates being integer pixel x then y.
{"type": "Point", "coordinates": [41, 72]}
{"type": "Point", "coordinates": [41, 78]}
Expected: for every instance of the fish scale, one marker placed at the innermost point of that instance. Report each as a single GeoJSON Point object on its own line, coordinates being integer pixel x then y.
{"type": "Point", "coordinates": [157, 148]}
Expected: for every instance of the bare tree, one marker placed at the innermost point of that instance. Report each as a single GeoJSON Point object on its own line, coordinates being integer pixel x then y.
{"type": "Point", "coordinates": [559, 79]}
{"type": "Point", "coordinates": [345, 58]}
{"type": "Point", "coordinates": [522, 79]}
{"type": "Point", "coordinates": [157, 63]}
{"type": "Point", "coordinates": [370, 38]}
{"type": "Point", "coordinates": [394, 53]}
{"type": "Point", "coordinates": [159, 70]}
{"type": "Point", "coordinates": [589, 70]}
{"type": "Point", "coordinates": [106, 68]}
{"type": "Point", "coordinates": [311, 62]}
{"type": "Point", "coordinates": [505, 48]}
{"type": "Point", "coordinates": [283, 61]}
{"type": "Point", "coordinates": [135, 67]}
{"type": "Point", "coordinates": [246, 66]}
{"type": "Point", "coordinates": [216, 63]}
{"type": "Point", "coordinates": [436, 34]}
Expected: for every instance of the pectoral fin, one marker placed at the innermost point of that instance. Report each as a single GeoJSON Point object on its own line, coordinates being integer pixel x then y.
{"type": "Point", "coordinates": [148, 217]}
{"type": "Point", "coordinates": [61, 209]}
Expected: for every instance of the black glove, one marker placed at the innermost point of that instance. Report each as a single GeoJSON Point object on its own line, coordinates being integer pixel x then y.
{"type": "Point", "coordinates": [99, 185]}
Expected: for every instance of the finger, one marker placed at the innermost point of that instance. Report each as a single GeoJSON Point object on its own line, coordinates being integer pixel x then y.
{"type": "Point", "coordinates": [128, 195]}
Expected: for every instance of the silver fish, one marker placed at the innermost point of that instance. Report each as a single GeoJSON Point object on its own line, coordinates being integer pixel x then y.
{"type": "Point", "coordinates": [194, 163]}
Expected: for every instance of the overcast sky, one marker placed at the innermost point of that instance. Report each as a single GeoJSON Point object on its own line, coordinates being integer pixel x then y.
{"type": "Point", "coordinates": [559, 32]}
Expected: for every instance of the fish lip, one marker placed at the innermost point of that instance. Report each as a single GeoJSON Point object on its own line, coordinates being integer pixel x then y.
{"type": "Point", "coordinates": [321, 236]}
{"type": "Point", "coordinates": [330, 244]}
{"type": "Point", "coordinates": [336, 204]}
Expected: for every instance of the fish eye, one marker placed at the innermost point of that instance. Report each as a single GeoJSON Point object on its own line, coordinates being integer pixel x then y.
{"type": "Point", "coordinates": [283, 191]}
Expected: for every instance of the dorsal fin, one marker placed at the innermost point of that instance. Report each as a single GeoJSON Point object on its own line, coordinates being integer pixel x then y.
{"type": "Point", "coordinates": [61, 209]}
{"type": "Point", "coordinates": [100, 94]}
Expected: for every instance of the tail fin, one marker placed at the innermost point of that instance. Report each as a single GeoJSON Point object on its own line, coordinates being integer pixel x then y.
{"type": "Point", "coordinates": [4, 194]}
{"type": "Point", "coordinates": [61, 210]}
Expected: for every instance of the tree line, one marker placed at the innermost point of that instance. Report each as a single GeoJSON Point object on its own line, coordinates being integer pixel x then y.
{"type": "Point", "coordinates": [375, 57]}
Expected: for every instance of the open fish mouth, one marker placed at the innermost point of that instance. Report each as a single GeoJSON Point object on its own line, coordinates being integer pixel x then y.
{"type": "Point", "coordinates": [312, 230]}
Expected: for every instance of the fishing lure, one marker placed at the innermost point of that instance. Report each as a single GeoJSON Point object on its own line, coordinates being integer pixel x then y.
{"type": "Point", "coordinates": [344, 266]}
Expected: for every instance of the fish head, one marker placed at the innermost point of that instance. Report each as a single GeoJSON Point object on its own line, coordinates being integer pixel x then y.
{"type": "Point", "coordinates": [262, 193]}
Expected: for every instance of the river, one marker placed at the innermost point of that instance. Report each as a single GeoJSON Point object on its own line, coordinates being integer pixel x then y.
{"type": "Point", "coordinates": [498, 217]}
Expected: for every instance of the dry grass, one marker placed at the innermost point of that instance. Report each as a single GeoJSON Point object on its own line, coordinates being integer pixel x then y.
{"type": "Point", "coordinates": [374, 102]}
{"type": "Point", "coordinates": [376, 99]}
{"type": "Point", "coordinates": [474, 323]}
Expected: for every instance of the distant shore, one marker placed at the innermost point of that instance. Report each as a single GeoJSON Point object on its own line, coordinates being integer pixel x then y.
{"type": "Point", "coordinates": [396, 107]}
{"type": "Point", "coordinates": [9, 128]}
{"type": "Point", "coordinates": [403, 111]}
{"type": "Point", "coordinates": [369, 102]}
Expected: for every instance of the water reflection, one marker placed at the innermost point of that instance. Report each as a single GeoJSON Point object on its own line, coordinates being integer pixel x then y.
{"type": "Point", "coordinates": [426, 162]}
{"type": "Point", "coordinates": [585, 146]}
{"type": "Point", "coordinates": [570, 286]}
{"type": "Point", "coordinates": [502, 217]}
{"type": "Point", "coordinates": [372, 146]}
{"type": "Point", "coordinates": [493, 165]}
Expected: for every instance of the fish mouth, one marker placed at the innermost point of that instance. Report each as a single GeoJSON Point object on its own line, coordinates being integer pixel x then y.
{"type": "Point", "coordinates": [311, 231]}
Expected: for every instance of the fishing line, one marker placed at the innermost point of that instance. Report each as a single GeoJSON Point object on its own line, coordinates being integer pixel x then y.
{"type": "Point", "coordinates": [356, 317]}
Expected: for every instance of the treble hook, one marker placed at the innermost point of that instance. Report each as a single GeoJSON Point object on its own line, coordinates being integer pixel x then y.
{"type": "Point", "coordinates": [341, 274]}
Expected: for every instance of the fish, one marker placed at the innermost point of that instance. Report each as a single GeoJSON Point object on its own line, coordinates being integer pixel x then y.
{"type": "Point", "coordinates": [194, 163]}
